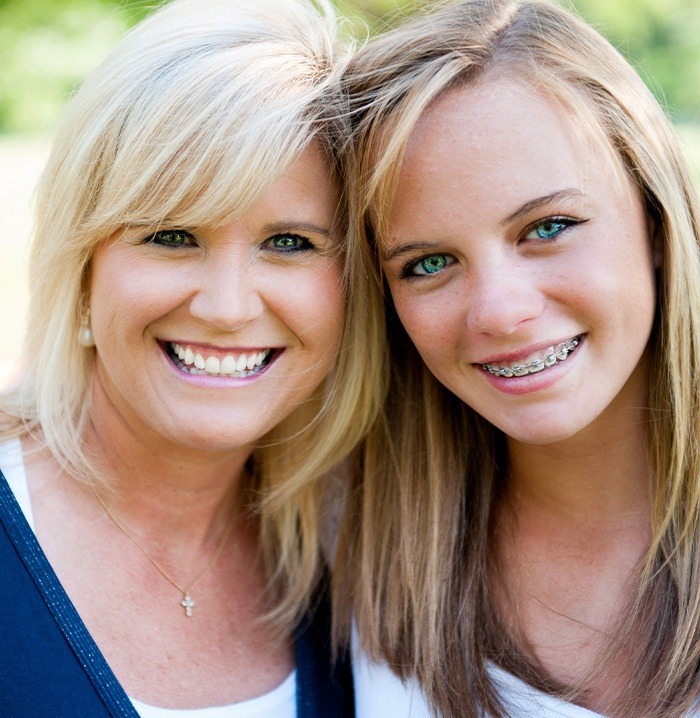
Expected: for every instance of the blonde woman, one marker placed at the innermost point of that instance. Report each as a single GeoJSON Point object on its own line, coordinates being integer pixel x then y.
{"type": "Point", "coordinates": [199, 353]}
{"type": "Point", "coordinates": [530, 504]}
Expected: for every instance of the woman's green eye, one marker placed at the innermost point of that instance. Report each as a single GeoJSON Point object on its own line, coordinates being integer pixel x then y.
{"type": "Point", "coordinates": [171, 238]}
{"type": "Point", "coordinates": [289, 242]}
{"type": "Point", "coordinates": [430, 265]}
{"type": "Point", "coordinates": [286, 242]}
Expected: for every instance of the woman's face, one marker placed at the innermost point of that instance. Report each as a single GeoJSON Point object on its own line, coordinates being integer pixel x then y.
{"type": "Point", "coordinates": [209, 338]}
{"type": "Point", "coordinates": [520, 263]}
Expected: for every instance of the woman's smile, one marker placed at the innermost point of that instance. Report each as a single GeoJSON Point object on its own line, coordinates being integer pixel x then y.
{"type": "Point", "coordinates": [192, 358]}
{"type": "Point", "coordinates": [255, 306]}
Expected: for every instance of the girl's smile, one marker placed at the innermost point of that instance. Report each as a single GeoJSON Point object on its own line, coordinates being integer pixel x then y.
{"type": "Point", "coordinates": [536, 361]}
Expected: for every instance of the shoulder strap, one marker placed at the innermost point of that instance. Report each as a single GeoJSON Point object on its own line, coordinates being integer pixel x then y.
{"type": "Point", "coordinates": [324, 683]}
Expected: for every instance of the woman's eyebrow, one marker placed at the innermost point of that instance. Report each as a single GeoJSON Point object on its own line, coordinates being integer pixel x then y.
{"type": "Point", "coordinates": [296, 226]}
{"type": "Point", "coordinates": [539, 202]}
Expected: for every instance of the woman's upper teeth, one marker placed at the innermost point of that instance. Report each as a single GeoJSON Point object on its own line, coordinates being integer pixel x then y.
{"type": "Point", "coordinates": [212, 364]}
{"type": "Point", "coordinates": [535, 362]}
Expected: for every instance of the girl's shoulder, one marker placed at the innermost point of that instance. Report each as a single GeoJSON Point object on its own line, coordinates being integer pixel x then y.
{"type": "Point", "coordinates": [379, 693]}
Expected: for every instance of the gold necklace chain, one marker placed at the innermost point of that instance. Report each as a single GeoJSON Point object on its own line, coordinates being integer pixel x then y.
{"type": "Point", "coordinates": [187, 601]}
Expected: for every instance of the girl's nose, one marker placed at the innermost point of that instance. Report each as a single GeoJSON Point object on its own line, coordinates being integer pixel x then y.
{"type": "Point", "coordinates": [502, 298]}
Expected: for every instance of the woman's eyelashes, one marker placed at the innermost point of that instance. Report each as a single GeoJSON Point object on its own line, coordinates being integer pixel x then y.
{"type": "Point", "coordinates": [281, 243]}
{"type": "Point", "coordinates": [172, 238]}
{"type": "Point", "coordinates": [287, 243]}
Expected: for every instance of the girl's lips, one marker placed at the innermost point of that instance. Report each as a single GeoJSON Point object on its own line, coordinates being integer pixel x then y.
{"type": "Point", "coordinates": [533, 381]}
{"type": "Point", "coordinates": [534, 363]}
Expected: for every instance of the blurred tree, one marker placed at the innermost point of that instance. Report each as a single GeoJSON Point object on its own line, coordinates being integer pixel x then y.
{"type": "Point", "coordinates": [48, 46]}
{"type": "Point", "coordinates": [660, 37]}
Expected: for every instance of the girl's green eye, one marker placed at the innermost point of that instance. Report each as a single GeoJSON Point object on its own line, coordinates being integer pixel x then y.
{"type": "Point", "coordinates": [430, 265]}
{"type": "Point", "coordinates": [549, 229]}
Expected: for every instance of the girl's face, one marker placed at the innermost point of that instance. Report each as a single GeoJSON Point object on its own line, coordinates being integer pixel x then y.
{"type": "Point", "coordinates": [520, 263]}
{"type": "Point", "coordinates": [208, 338]}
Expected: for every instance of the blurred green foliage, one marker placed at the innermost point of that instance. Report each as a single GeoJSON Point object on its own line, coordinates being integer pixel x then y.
{"type": "Point", "coordinates": [661, 38]}
{"type": "Point", "coordinates": [48, 46]}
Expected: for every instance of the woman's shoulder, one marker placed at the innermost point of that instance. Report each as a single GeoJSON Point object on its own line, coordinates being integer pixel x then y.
{"type": "Point", "coordinates": [12, 467]}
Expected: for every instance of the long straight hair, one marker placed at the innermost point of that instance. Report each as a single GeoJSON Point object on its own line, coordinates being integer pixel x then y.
{"type": "Point", "coordinates": [192, 116]}
{"type": "Point", "coordinates": [416, 536]}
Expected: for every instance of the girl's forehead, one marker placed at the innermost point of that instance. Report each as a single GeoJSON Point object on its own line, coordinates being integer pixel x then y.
{"type": "Point", "coordinates": [503, 123]}
{"type": "Point", "coordinates": [483, 154]}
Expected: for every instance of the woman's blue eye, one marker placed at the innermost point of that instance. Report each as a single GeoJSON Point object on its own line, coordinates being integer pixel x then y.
{"type": "Point", "coordinates": [171, 238]}
{"type": "Point", "coordinates": [289, 243]}
{"type": "Point", "coordinates": [432, 264]}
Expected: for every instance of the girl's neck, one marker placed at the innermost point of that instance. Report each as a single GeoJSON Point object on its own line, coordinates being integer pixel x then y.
{"type": "Point", "coordinates": [602, 472]}
{"type": "Point", "coordinates": [570, 533]}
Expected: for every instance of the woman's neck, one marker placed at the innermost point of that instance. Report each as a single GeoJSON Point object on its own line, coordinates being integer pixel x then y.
{"type": "Point", "coordinates": [166, 489]}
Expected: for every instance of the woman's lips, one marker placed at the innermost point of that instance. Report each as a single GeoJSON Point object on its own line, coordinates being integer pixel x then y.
{"type": "Point", "coordinates": [193, 359]}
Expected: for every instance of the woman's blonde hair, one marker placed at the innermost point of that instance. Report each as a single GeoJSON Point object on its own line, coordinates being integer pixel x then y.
{"type": "Point", "coordinates": [416, 536]}
{"type": "Point", "coordinates": [195, 113]}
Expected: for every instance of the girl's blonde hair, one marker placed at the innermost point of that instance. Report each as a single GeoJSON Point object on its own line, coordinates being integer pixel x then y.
{"type": "Point", "coordinates": [416, 538]}
{"type": "Point", "coordinates": [195, 113]}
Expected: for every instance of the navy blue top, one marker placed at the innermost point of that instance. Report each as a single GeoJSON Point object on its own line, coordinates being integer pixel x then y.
{"type": "Point", "coordinates": [52, 668]}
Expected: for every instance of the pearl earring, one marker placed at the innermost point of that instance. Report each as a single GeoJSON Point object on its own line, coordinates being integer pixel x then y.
{"type": "Point", "coordinates": [85, 338]}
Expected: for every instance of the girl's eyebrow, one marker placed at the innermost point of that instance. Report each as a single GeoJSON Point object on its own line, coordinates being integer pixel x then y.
{"type": "Point", "coordinates": [529, 206]}
{"type": "Point", "coordinates": [407, 248]}
{"type": "Point", "coordinates": [539, 202]}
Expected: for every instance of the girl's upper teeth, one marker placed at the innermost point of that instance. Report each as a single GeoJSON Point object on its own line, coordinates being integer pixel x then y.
{"type": "Point", "coordinates": [229, 364]}
{"type": "Point", "coordinates": [535, 362]}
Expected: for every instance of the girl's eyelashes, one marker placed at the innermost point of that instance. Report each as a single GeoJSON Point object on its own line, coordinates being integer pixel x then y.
{"type": "Point", "coordinates": [426, 266]}
{"type": "Point", "coordinates": [288, 243]}
{"type": "Point", "coordinates": [172, 238]}
{"type": "Point", "coordinates": [544, 230]}
{"type": "Point", "coordinates": [550, 228]}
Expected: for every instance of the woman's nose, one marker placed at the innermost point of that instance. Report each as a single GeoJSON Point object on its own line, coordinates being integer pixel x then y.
{"type": "Point", "coordinates": [502, 298]}
{"type": "Point", "coordinates": [228, 296]}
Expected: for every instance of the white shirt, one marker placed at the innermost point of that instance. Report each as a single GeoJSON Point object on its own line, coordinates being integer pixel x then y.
{"type": "Point", "coordinates": [280, 702]}
{"type": "Point", "coordinates": [380, 694]}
